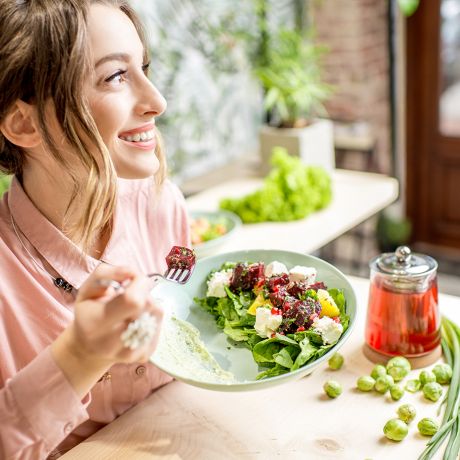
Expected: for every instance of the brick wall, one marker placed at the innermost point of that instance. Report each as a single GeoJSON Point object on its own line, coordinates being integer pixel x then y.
{"type": "Point", "coordinates": [356, 33]}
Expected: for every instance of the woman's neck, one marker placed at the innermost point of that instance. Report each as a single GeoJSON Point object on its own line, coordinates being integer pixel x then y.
{"type": "Point", "coordinates": [51, 195]}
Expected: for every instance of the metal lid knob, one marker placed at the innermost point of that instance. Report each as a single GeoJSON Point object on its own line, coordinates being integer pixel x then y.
{"type": "Point", "coordinates": [403, 255]}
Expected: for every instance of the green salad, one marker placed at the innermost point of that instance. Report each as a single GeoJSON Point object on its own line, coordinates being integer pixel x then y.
{"type": "Point", "coordinates": [291, 191]}
{"type": "Point", "coordinates": [285, 317]}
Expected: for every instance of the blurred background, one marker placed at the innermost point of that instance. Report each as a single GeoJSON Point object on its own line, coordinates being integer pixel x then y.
{"type": "Point", "coordinates": [384, 74]}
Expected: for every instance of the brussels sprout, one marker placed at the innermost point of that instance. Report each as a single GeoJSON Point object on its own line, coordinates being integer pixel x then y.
{"type": "Point", "coordinates": [332, 388]}
{"type": "Point", "coordinates": [432, 391]}
{"type": "Point", "coordinates": [413, 385]}
{"type": "Point", "coordinates": [398, 367]}
{"type": "Point", "coordinates": [395, 429]}
{"type": "Point", "coordinates": [365, 383]}
{"type": "Point", "coordinates": [396, 392]}
{"type": "Point", "coordinates": [426, 377]}
{"type": "Point", "coordinates": [383, 384]}
{"type": "Point", "coordinates": [336, 361]}
{"type": "Point", "coordinates": [378, 371]}
{"type": "Point", "coordinates": [443, 373]}
{"type": "Point", "coordinates": [428, 426]}
{"type": "Point", "coordinates": [406, 413]}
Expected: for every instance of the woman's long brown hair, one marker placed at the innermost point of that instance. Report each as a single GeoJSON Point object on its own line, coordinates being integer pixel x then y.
{"type": "Point", "coordinates": [44, 56]}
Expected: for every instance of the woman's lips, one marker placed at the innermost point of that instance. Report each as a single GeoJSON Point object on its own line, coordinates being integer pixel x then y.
{"type": "Point", "coordinates": [143, 137]}
{"type": "Point", "coordinates": [144, 145]}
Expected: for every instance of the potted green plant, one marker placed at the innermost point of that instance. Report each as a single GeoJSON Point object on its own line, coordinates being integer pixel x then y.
{"type": "Point", "coordinates": [294, 92]}
{"type": "Point", "coordinates": [392, 232]}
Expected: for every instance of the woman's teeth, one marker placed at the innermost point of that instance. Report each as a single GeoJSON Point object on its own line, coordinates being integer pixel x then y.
{"type": "Point", "coordinates": [140, 137]}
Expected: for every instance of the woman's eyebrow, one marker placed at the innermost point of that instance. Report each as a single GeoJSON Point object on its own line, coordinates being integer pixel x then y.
{"type": "Point", "coordinates": [113, 57]}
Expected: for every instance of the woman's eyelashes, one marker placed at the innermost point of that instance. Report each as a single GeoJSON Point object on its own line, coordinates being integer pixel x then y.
{"type": "Point", "coordinates": [117, 77]}
{"type": "Point", "coordinates": [121, 75]}
{"type": "Point", "coordinates": [145, 68]}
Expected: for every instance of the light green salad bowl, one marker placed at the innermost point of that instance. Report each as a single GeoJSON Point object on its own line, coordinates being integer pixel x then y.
{"type": "Point", "coordinates": [239, 360]}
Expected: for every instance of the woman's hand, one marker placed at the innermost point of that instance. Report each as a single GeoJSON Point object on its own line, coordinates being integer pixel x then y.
{"type": "Point", "coordinates": [92, 343]}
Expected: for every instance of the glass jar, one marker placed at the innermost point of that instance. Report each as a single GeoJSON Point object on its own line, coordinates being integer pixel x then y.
{"type": "Point", "coordinates": [403, 317]}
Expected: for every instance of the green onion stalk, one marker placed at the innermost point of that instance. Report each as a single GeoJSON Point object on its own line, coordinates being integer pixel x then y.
{"type": "Point", "coordinates": [450, 426]}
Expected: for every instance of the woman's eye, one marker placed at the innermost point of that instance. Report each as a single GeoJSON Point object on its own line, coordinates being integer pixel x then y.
{"type": "Point", "coordinates": [117, 77]}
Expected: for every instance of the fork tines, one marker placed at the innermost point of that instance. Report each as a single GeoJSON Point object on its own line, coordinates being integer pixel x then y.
{"type": "Point", "coordinates": [178, 274]}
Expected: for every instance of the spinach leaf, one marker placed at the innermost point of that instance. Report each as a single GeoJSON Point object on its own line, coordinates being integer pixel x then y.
{"type": "Point", "coordinates": [307, 350]}
{"type": "Point", "coordinates": [272, 372]}
{"type": "Point", "coordinates": [263, 351]}
{"type": "Point", "coordinates": [286, 355]}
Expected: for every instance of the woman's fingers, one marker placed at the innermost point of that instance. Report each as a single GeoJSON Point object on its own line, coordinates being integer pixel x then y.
{"type": "Point", "coordinates": [130, 303]}
{"type": "Point", "coordinates": [99, 284]}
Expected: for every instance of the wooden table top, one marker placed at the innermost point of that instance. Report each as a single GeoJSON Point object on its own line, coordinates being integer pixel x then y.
{"type": "Point", "coordinates": [291, 421]}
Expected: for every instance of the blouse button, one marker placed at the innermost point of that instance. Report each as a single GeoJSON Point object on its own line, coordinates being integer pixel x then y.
{"type": "Point", "coordinates": [140, 370]}
{"type": "Point", "coordinates": [68, 428]}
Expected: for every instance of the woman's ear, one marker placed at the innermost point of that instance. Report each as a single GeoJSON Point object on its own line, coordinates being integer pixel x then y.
{"type": "Point", "coordinates": [20, 125]}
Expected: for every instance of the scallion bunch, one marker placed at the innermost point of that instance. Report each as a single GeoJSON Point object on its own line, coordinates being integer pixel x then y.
{"type": "Point", "coordinates": [450, 427]}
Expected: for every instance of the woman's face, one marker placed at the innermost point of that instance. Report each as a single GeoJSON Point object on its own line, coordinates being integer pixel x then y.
{"type": "Point", "coordinates": [122, 100]}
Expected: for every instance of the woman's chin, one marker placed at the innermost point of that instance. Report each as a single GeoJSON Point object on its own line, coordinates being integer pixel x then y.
{"type": "Point", "coordinates": [137, 170]}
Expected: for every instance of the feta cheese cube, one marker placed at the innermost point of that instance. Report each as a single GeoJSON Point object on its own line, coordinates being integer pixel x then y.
{"type": "Point", "coordinates": [330, 330]}
{"type": "Point", "coordinates": [300, 273]}
{"type": "Point", "coordinates": [275, 268]}
{"type": "Point", "coordinates": [217, 283]}
{"type": "Point", "coordinates": [266, 323]}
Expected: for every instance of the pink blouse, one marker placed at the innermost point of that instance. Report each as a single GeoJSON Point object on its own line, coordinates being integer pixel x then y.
{"type": "Point", "coordinates": [40, 413]}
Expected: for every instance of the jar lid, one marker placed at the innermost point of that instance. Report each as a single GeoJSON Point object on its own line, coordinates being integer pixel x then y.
{"type": "Point", "coordinates": [404, 263]}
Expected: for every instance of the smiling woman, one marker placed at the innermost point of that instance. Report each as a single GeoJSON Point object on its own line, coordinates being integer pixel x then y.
{"type": "Point", "coordinates": [88, 205]}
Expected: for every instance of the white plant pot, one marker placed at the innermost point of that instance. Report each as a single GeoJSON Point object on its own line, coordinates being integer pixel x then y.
{"type": "Point", "coordinates": [314, 144]}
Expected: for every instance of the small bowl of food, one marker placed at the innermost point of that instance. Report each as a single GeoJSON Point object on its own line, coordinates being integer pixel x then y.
{"type": "Point", "coordinates": [211, 229]}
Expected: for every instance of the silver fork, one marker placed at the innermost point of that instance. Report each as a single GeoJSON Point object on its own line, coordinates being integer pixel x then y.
{"type": "Point", "coordinates": [175, 275]}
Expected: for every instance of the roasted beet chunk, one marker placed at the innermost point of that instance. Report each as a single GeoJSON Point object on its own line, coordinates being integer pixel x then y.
{"type": "Point", "coordinates": [297, 288]}
{"type": "Point", "coordinates": [316, 286]}
{"type": "Point", "coordinates": [275, 282]}
{"type": "Point", "coordinates": [246, 276]}
{"type": "Point", "coordinates": [300, 314]}
{"type": "Point", "coordinates": [278, 298]}
{"type": "Point", "coordinates": [180, 257]}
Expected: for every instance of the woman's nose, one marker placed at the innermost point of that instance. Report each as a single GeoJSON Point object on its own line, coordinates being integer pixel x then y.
{"type": "Point", "coordinates": [150, 101]}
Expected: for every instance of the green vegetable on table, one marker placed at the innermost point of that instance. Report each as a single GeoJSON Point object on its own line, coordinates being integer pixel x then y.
{"type": "Point", "coordinates": [413, 385]}
{"type": "Point", "coordinates": [378, 371]}
{"type": "Point", "coordinates": [427, 426]}
{"type": "Point", "coordinates": [432, 391]}
{"type": "Point", "coordinates": [450, 425]}
{"type": "Point", "coordinates": [365, 383]}
{"type": "Point", "coordinates": [291, 191]}
{"type": "Point", "coordinates": [395, 429]}
{"type": "Point", "coordinates": [398, 367]}
{"type": "Point", "coordinates": [383, 384]}
{"type": "Point", "coordinates": [396, 392]}
{"type": "Point", "coordinates": [336, 361]}
{"type": "Point", "coordinates": [443, 373]}
{"type": "Point", "coordinates": [406, 413]}
{"type": "Point", "coordinates": [332, 388]}
{"type": "Point", "coordinates": [426, 377]}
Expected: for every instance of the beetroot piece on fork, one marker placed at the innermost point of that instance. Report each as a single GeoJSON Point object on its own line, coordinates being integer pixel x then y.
{"type": "Point", "coordinates": [181, 257]}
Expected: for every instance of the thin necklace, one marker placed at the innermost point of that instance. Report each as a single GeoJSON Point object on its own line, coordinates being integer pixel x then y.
{"type": "Point", "coordinates": [58, 282]}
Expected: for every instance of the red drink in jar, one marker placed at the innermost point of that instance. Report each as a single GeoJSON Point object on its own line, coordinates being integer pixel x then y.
{"type": "Point", "coordinates": [403, 315]}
